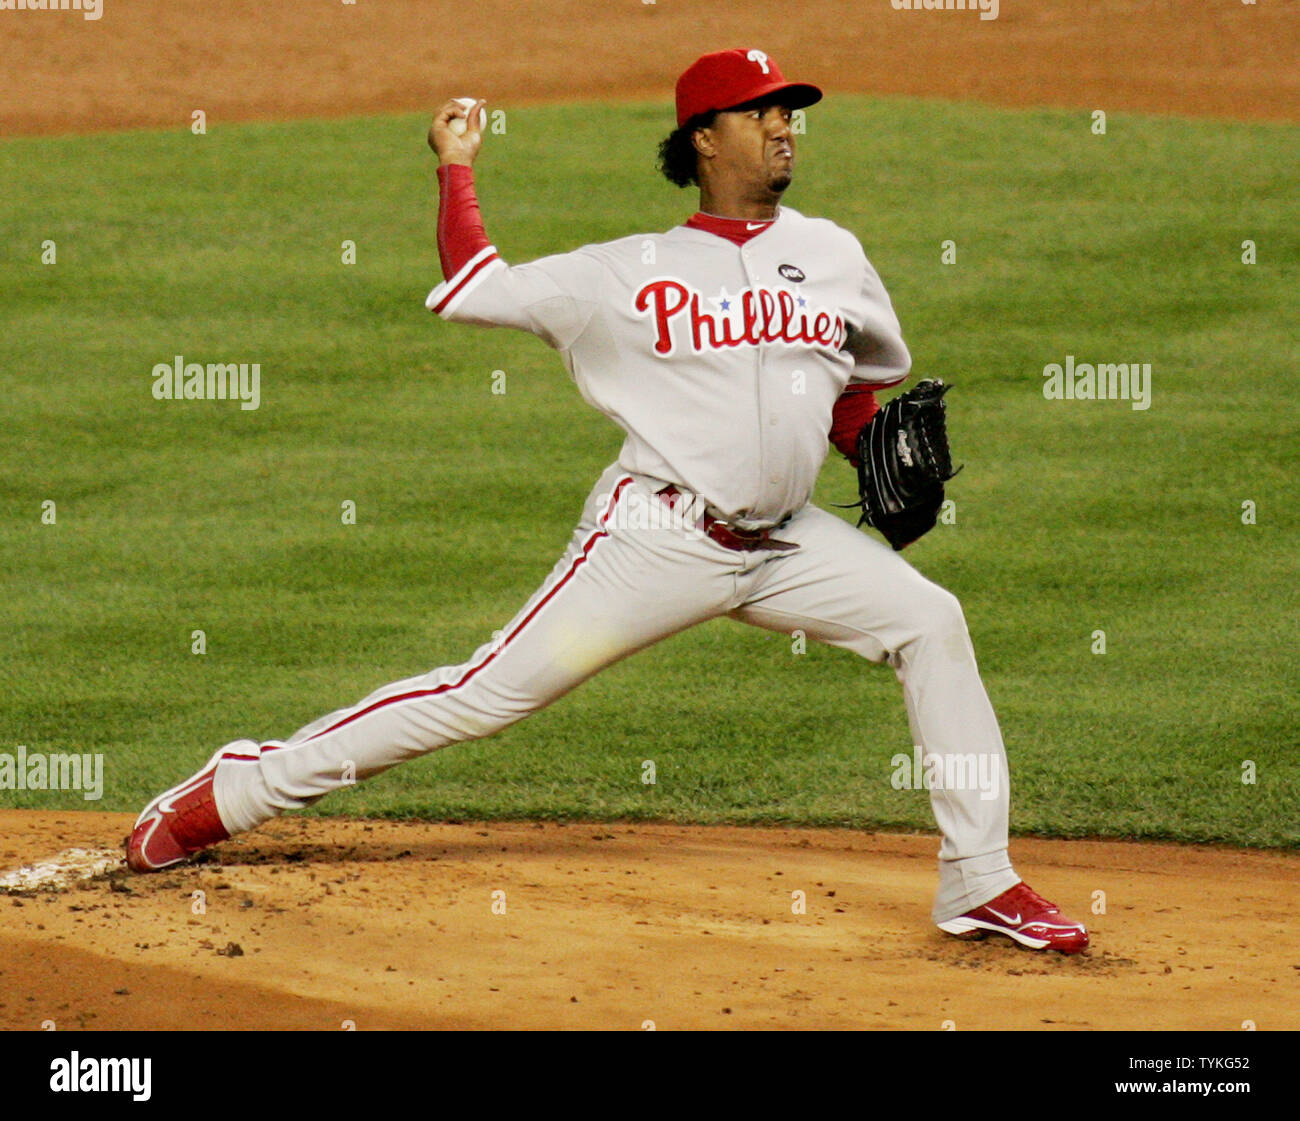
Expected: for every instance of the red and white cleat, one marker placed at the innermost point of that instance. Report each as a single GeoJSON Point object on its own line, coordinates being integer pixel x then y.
{"type": "Point", "coordinates": [177, 824]}
{"type": "Point", "coordinates": [1021, 913]}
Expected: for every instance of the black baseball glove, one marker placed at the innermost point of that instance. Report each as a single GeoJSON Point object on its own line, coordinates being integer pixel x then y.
{"type": "Point", "coordinates": [903, 462]}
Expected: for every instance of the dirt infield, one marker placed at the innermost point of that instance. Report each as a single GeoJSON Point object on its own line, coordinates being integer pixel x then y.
{"type": "Point", "coordinates": [311, 923]}
{"type": "Point", "coordinates": [153, 62]}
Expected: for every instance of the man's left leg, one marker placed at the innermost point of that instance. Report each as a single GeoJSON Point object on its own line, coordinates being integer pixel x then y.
{"type": "Point", "coordinates": [846, 589]}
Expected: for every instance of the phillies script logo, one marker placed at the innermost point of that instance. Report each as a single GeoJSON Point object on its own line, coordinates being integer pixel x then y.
{"type": "Point", "coordinates": [751, 318]}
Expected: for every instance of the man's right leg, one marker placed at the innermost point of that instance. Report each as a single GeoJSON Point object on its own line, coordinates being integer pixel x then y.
{"type": "Point", "coordinates": [615, 591]}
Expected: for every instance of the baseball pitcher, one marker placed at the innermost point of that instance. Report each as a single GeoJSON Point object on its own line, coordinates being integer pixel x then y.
{"type": "Point", "coordinates": [728, 349]}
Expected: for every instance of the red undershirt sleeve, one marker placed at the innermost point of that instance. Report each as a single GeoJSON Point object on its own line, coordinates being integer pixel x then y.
{"type": "Point", "coordinates": [855, 407]}
{"type": "Point", "coordinates": [460, 225]}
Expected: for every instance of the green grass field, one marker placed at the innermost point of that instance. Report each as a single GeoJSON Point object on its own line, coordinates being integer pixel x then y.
{"type": "Point", "coordinates": [1072, 516]}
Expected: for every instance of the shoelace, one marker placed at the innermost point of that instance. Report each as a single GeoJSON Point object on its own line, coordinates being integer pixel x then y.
{"type": "Point", "coordinates": [1028, 899]}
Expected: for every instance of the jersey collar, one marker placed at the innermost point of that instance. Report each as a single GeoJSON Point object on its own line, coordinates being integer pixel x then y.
{"type": "Point", "coordinates": [735, 230]}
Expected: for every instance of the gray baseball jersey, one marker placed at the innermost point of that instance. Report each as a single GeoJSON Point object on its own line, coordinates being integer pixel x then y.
{"type": "Point", "coordinates": [721, 363]}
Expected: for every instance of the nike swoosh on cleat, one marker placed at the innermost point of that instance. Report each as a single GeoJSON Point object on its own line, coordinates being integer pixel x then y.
{"type": "Point", "coordinates": [1006, 918]}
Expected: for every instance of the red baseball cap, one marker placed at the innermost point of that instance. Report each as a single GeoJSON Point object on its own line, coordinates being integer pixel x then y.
{"type": "Point", "coordinates": [725, 79]}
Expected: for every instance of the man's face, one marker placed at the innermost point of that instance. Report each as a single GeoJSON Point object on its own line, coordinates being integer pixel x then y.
{"type": "Point", "coordinates": [753, 146]}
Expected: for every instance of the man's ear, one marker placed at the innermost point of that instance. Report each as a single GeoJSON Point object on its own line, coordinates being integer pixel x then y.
{"type": "Point", "coordinates": [702, 138]}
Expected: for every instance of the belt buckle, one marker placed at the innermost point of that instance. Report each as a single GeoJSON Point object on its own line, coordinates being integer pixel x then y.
{"type": "Point", "coordinates": [748, 541]}
{"type": "Point", "coordinates": [728, 536]}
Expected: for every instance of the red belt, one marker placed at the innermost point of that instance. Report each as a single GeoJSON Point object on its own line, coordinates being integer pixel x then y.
{"type": "Point", "coordinates": [743, 540]}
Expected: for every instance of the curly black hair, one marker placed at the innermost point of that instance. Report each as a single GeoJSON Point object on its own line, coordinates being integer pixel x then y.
{"type": "Point", "coordinates": [677, 153]}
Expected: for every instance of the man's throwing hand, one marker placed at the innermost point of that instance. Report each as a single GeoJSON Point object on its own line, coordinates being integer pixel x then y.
{"type": "Point", "coordinates": [449, 147]}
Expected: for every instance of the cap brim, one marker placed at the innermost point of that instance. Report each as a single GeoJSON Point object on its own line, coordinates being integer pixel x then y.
{"type": "Point", "coordinates": [797, 95]}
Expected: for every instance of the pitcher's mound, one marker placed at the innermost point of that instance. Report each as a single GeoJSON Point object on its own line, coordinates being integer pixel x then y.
{"type": "Point", "coordinates": [310, 923]}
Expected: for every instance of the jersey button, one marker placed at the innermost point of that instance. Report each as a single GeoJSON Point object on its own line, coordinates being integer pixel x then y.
{"type": "Point", "coordinates": [774, 419]}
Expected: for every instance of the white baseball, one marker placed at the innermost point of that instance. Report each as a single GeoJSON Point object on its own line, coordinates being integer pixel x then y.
{"type": "Point", "coordinates": [458, 125]}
